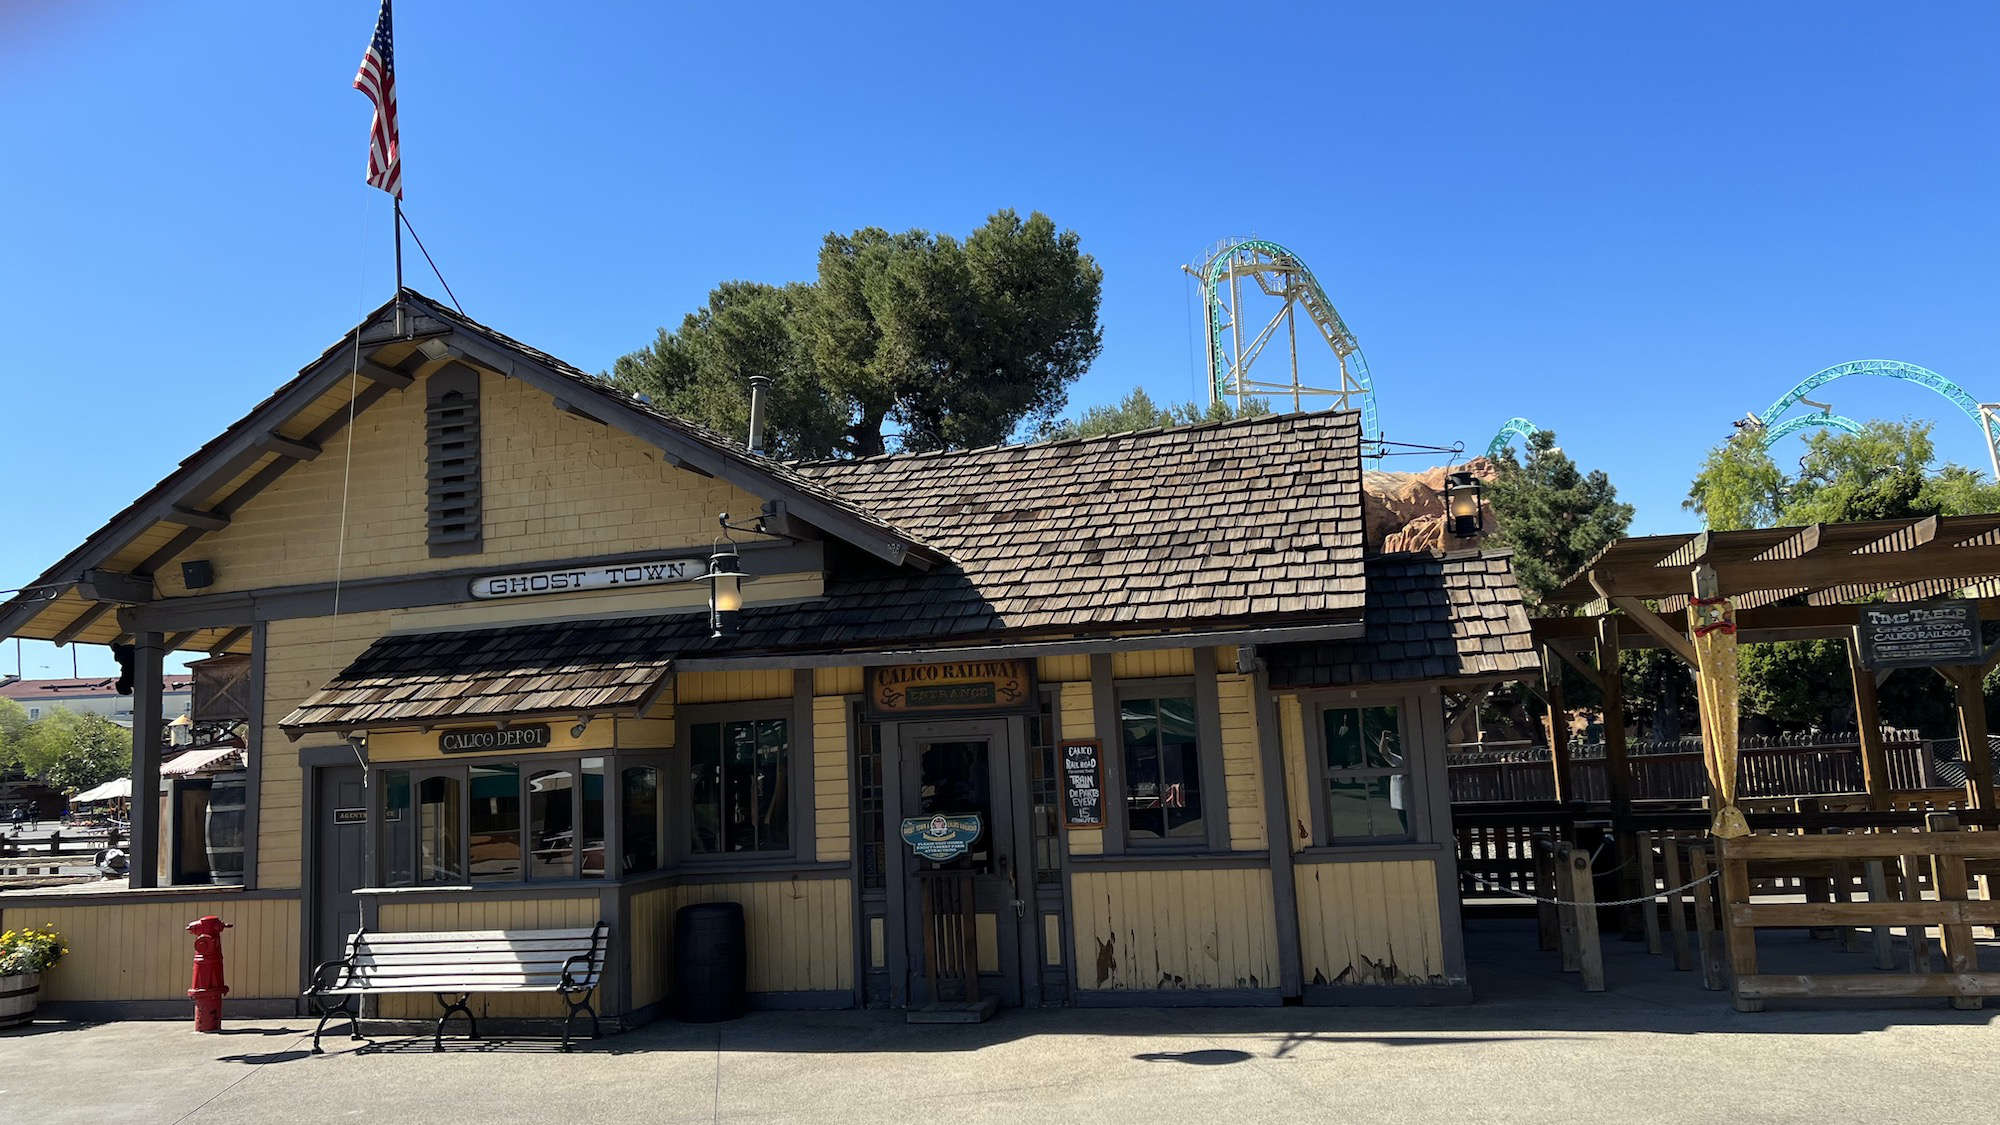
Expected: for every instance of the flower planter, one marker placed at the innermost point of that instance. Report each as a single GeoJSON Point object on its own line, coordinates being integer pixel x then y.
{"type": "Point", "coordinates": [17, 998]}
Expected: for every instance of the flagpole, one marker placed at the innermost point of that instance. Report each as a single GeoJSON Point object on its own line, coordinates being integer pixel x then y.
{"type": "Point", "coordinates": [399, 267]}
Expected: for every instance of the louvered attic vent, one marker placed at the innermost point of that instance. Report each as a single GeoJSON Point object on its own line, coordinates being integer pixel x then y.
{"type": "Point", "coordinates": [451, 435]}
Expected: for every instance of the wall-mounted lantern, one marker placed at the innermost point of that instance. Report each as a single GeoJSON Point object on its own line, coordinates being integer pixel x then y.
{"type": "Point", "coordinates": [180, 732]}
{"type": "Point", "coordinates": [1462, 493]}
{"type": "Point", "coordinates": [725, 590]}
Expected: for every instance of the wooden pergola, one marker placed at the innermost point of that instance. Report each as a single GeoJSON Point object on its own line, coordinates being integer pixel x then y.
{"type": "Point", "coordinates": [1786, 583]}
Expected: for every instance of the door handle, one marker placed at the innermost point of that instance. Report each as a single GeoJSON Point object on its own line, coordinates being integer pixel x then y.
{"type": "Point", "coordinates": [1013, 888]}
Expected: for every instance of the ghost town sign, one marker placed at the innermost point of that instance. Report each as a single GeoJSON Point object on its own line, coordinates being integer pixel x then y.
{"type": "Point", "coordinates": [646, 572]}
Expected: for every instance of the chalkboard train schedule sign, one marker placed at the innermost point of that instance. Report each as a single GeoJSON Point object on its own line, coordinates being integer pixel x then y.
{"type": "Point", "coordinates": [1083, 784]}
{"type": "Point", "coordinates": [1920, 634]}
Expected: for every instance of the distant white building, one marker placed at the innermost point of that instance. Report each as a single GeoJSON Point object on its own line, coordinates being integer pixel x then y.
{"type": "Point", "coordinates": [95, 695]}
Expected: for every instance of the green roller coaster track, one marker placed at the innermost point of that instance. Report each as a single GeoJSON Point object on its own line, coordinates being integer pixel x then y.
{"type": "Point", "coordinates": [1240, 253]}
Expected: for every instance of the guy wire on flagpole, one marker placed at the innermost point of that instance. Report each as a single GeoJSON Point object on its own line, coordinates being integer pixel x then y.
{"type": "Point", "coordinates": [427, 258]}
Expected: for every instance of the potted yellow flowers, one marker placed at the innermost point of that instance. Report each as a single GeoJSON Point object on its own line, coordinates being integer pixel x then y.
{"type": "Point", "coordinates": [24, 956]}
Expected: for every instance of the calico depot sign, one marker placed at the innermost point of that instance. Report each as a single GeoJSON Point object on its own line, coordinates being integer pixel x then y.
{"type": "Point", "coordinates": [903, 690]}
{"type": "Point", "coordinates": [646, 572]}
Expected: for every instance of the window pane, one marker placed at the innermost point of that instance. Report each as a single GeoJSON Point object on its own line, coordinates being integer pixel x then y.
{"type": "Point", "coordinates": [868, 770]}
{"type": "Point", "coordinates": [1382, 738]}
{"type": "Point", "coordinates": [1144, 816]}
{"type": "Point", "coordinates": [552, 825]}
{"type": "Point", "coordinates": [705, 787]}
{"type": "Point", "coordinates": [593, 818]}
{"type": "Point", "coordinates": [495, 815]}
{"type": "Point", "coordinates": [1180, 767]}
{"type": "Point", "coordinates": [437, 831]}
{"type": "Point", "coordinates": [399, 830]}
{"type": "Point", "coordinates": [770, 788]}
{"type": "Point", "coordinates": [639, 819]}
{"type": "Point", "coordinates": [1045, 790]}
{"type": "Point", "coordinates": [739, 803]}
{"type": "Point", "coordinates": [1366, 807]}
{"type": "Point", "coordinates": [1343, 739]}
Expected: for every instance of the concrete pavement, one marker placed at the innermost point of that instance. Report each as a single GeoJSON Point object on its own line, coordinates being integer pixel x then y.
{"type": "Point", "coordinates": [1534, 1048]}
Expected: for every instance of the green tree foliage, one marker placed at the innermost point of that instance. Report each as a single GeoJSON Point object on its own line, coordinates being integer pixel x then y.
{"type": "Point", "coordinates": [1738, 486]}
{"type": "Point", "coordinates": [1138, 411]}
{"type": "Point", "coordinates": [952, 343]}
{"type": "Point", "coordinates": [1887, 471]}
{"type": "Point", "coordinates": [14, 724]}
{"type": "Point", "coordinates": [68, 750]}
{"type": "Point", "coordinates": [1555, 516]}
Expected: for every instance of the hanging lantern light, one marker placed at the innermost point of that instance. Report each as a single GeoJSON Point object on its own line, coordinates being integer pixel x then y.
{"type": "Point", "coordinates": [725, 590]}
{"type": "Point", "coordinates": [1462, 493]}
{"type": "Point", "coordinates": [180, 732]}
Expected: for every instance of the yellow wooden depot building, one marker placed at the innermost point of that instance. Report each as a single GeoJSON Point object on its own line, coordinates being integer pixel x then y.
{"type": "Point", "coordinates": [1200, 724]}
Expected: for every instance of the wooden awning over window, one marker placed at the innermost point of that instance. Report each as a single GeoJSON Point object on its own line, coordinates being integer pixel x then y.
{"type": "Point", "coordinates": [610, 668]}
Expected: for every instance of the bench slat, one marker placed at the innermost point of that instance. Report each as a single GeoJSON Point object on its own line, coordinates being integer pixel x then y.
{"type": "Point", "coordinates": [479, 935]}
{"type": "Point", "coordinates": [376, 960]}
{"type": "Point", "coordinates": [469, 945]}
{"type": "Point", "coordinates": [447, 988]}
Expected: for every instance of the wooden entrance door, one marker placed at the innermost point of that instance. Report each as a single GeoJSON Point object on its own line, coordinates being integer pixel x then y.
{"type": "Point", "coordinates": [958, 768]}
{"type": "Point", "coordinates": [340, 832]}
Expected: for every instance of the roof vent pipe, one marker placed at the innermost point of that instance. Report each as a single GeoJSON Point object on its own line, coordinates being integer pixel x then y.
{"type": "Point", "coordinates": [760, 388]}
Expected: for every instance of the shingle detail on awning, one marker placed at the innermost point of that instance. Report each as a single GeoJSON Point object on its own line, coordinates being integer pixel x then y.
{"type": "Point", "coordinates": [595, 667]}
{"type": "Point", "coordinates": [1429, 616]}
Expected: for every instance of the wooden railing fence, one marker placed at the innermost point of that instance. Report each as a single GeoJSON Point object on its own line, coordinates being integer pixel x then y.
{"type": "Point", "coordinates": [1661, 771]}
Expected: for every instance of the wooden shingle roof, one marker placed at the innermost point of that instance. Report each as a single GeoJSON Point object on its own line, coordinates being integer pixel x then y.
{"type": "Point", "coordinates": [1429, 616]}
{"type": "Point", "coordinates": [1251, 517]}
{"type": "Point", "coordinates": [1248, 524]}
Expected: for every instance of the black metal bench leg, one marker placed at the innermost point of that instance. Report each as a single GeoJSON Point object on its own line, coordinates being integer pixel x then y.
{"type": "Point", "coordinates": [458, 1005]}
{"type": "Point", "coordinates": [576, 1006]}
{"type": "Point", "coordinates": [327, 1012]}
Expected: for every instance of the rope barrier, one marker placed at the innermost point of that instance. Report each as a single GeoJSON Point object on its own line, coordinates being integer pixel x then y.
{"type": "Point", "coordinates": [1607, 902]}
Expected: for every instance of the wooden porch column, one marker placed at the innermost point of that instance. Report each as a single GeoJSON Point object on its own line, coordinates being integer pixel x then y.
{"type": "Point", "coordinates": [1977, 755]}
{"type": "Point", "coordinates": [1617, 768]}
{"type": "Point", "coordinates": [1868, 721]}
{"type": "Point", "coordinates": [1552, 691]}
{"type": "Point", "coordinates": [148, 728]}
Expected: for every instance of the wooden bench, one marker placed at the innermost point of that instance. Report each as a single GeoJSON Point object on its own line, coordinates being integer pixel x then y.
{"type": "Point", "coordinates": [565, 962]}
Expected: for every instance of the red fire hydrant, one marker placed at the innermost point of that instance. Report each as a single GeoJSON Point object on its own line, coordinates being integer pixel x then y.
{"type": "Point", "coordinates": [208, 990]}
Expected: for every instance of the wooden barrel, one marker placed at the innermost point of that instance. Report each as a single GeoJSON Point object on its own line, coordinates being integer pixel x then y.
{"type": "Point", "coordinates": [224, 829]}
{"type": "Point", "coordinates": [17, 998]}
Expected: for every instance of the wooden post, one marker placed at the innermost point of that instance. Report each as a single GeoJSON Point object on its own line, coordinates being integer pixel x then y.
{"type": "Point", "coordinates": [1649, 880]}
{"type": "Point", "coordinates": [1919, 936]}
{"type": "Point", "coordinates": [1973, 750]}
{"type": "Point", "coordinates": [1590, 947]}
{"type": "Point", "coordinates": [1566, 915]}
{"type": "Point", "coordinates": [1548, 930]}
{"type": "Point", "coordinates": [1742, 937]}
{"type": "Point", "coordinates": [1878, 891]}
{"type": "Point", "coordinates": [1961, 955]}
{"type": "Point", "coordinates": [1617, 769]}
{"type": "Point", "coordinates": [1552, 677]}
{"type": "Point", "coordinates": [148, 732]}
{"type": "Point", "coordinates": [1676, 912]}
{"type": "Point", "coordinates": [1868, 721]}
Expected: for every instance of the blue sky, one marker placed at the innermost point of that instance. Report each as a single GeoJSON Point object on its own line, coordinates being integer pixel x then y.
{"type": "Point", "coordinates": [1630, 224]}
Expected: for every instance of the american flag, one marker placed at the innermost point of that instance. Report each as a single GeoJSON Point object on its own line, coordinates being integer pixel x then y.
{"type": "Point", "coordinates": [377, 79]}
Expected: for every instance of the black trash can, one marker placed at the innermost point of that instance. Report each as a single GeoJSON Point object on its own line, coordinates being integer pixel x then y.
{"type": "Point", "coordinates": [711, 963]}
